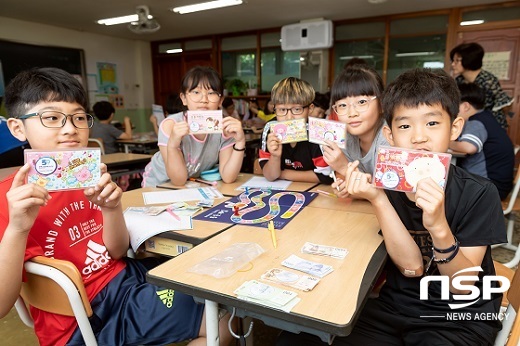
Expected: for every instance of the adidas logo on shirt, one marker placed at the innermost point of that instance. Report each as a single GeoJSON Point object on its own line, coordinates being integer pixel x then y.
{"type": "Point", "coordinates": [97, 257]}
{"type": "Point", "coordinates": [166, 296]}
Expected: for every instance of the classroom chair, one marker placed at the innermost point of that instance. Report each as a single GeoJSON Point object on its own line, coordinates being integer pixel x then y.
{"type": "Point", "coordinates": [97, 143]}
{"type": "Point", "coordinates": [55, 286]}
{"type": "Point", "coordinates": [510, 333]}
{"type": "Point", "coordinates": [510, 207]}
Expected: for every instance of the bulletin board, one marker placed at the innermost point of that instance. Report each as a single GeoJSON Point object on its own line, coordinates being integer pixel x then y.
{"type": "Point", "coordinates": [16, 57]}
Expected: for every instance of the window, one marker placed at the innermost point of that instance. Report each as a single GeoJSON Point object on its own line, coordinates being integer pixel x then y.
{"type": "Point", "coordinates": [239, 59]}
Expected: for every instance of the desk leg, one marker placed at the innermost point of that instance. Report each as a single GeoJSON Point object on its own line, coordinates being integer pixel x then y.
{"type": "Point", "coordinates": [212, 323]}
{"type": "Point", "coordinates": [126, 149]}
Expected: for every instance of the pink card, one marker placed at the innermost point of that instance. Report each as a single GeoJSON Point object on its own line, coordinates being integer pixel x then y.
{"type": "Point", "coordinates": [290, 130]}
{"type": "Point", "coordinates": [205, 121]}
{"type": "Point", "coordinates": [400, 169]}
{"type": "Point", "coordinates": [321, 130]}
{"type": "Point", "coordinates": [64, 169]}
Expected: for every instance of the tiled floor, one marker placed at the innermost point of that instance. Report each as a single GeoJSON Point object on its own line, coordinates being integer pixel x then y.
{"type": "Point", "coordinates": [14, 333]}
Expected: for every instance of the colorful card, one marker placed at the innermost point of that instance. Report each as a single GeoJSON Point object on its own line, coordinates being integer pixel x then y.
{"type": "Point", "coordinates": [321, 130]}
{"type": "Point", "coordinates": [64, 170]}
{"type": "Point", "coordinates": [290, 131]}
{"type": "Point", "coordinates": [205, 121]}
{"type": "Point", "coordinates": [400, 169]}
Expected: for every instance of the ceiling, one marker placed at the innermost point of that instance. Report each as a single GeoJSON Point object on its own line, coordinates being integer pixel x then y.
{"type": "Point", "coordinates": [81, 15]}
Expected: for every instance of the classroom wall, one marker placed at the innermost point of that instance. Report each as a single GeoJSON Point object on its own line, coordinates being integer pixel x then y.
{"type": "Point", "coordinates": [132, 57]}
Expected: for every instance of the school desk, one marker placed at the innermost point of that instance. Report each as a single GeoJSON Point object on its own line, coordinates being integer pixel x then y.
{"type": "Point", "coordinates": [230, 189]}
{"type": "Point", "coordinates": [5, 172]}
{"type": "Point", "coordinates": [125, 163]}
{"type": "Point", "coordinates": [202, 230]}
{"type": "Point", "coordinates": [331, 308]}
{"type": "Point", "coordinates": [140, 141]}
{"type": "Point", "coordinates": [342, 204]}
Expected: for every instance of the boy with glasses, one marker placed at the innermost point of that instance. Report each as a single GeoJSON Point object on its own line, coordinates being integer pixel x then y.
{"type": "Point", "coordinates": [300, 161]}
{"type": "Point", "coordinates": [48, 109]}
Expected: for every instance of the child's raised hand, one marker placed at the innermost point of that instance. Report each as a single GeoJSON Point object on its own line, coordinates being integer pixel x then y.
{"type": "Point", "coordinates": [106, 193]}
{"type": "Point", "coordinates": [153, 119]}
{"type": "Point", "coordinates": [179, 130]}
{"type": "Point", "coordinates": [24, 201]}
{"type": "Point", "coordinates": [233, 127]}
{"type": "Point", "coordinates": [429, 196]}
{"type": "Point", "coordinates": [359, 184]}
{"type": "Point", "coordinates": [334, 157]}
{"type": "Point", "coordinates": [274, 145]}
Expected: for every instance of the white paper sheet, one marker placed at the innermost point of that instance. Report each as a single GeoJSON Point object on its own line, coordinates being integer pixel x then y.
{"type": "Point", "coordinates": [263, 183]}
{"type": "Point", "coordinates": [141, 226]}
{"type": "Point", "coordinates": [181, 195]}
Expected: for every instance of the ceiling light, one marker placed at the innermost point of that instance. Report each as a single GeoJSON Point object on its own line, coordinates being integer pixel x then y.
{"type": "Point", "coordinates": [120, 20]}
{"type": "Point", "coordinates": [174, 51]}
{"type": "Point", "coordinates": [400, 55]}
{"type": "Point", "coordinates": [206, 6]}
{"type": "Point", "coordinates": [472, 22]}
{"type": "Point", "coordinates": [356, 56]}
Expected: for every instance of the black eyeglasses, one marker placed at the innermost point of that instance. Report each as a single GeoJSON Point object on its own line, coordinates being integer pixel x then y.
{"type": "Point", "coordinates": [55, 119]}
{"type": "Point", "coordinates": [282, 112]}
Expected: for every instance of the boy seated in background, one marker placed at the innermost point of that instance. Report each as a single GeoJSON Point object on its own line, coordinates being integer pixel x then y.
{"type": "Point", "coordinates": [490, 151]}
{"type": "Point", "coordinates": [229, 109]}
{"type": "Point", "coordinates": [321, 106]}
{"type": "Point", "coordinates": [297, 161]}
{"type": "Point", "coordinates": [104, 111]}
{"type": "Point", "coordinates": [48, 109]}
{"type": "Point", "coordinates": [430, 232]}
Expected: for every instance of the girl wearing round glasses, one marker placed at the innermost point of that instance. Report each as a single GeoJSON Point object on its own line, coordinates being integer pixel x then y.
{"type": "Point", "coordinates": [355, 98]}
{"type": "Point", "coordinates": [182, 155]}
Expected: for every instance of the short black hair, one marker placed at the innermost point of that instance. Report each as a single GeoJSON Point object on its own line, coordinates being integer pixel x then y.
{"type": "Point", "coordinates": [471, 53]}
{"type": "Point", "coordinates": [321, 100]}
{"type": "Point", "coordinates": [227, 102]}
{"type": "Point", "coordinates": [206, 75]}
{"type": "Point", "coordinates": [30, 87]}
{"type": "Point", "coordinates": [173, 104]}
{"type": "Point", "coordinates": [103, 110]}
{"type": "Point", "coordinates": [422, 86]}
{"type": "Point", "coordinates": [473, 94]}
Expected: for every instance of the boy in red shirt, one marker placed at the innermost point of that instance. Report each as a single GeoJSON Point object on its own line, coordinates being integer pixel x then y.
{"type": "Point", "coordinates": [47, 108]}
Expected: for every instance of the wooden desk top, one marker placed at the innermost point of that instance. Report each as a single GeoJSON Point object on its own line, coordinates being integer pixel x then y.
{"type": "Point", "coordinates": [5, 172]}
{"type": "Point", "coordinates": [230, 189]}
{"type": "Point", "coordinates": [123, 158]}
{"type": "Point", "coordinates": [201, 231]}
{"type": "Point", "coordinates": [330, 306]}
{"type": "Point", "coordinates": [342, 204]}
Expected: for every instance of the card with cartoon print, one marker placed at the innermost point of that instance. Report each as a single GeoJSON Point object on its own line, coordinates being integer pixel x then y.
{"type": "Point", "coordinates": [290, 131]}
{"type": "Point", "coordinates": [64, 169]}
{"type": "Point", "coordinates": [321, 130]}
{"type": "Point", "coordinates": [205, 121]}
{"type": "Point", "coordinates": [400, 169]}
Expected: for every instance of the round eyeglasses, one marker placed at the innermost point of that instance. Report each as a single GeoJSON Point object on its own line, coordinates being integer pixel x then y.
{"type": "Point", "coordinates": [197, 96]}
{"type": "Point", "coordinates": [360, 105]}
{"type": "Point", "coordinates": [282, 112]}
{"type": "Point", "coordinates": [55, 119]}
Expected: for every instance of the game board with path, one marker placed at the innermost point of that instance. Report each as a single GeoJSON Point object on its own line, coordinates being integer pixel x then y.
{"type": "Point", "coordinates": [256, 207]}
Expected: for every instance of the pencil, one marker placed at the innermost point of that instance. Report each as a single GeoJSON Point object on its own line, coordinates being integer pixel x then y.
{"type": "Point", "coordinates": [270, 227]}
{"type": "Point", "coordinates": [210, 183]}
{"type": "Point", "coordinates": [327, 193]}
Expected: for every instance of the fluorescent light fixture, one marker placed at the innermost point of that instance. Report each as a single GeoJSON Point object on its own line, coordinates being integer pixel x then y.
{"type": "Point", "coordinates": [356, 56]}
{"type": "Point", "coordinates": [120, 20]}
{"type": "Point", "coordinates": [400, 55]}
{"type": "Point", "coordinates": [472, 22]}
{"type": "Point", "coordinates": [210, 5]}
{"type": "Point", "coordinates": [174, 51]}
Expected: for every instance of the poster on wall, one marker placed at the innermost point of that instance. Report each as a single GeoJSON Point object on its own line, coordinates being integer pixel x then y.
{"type": "Point", "coordinates": [107, 78]}
{"type": "Point", "coordinates": [497, 63]}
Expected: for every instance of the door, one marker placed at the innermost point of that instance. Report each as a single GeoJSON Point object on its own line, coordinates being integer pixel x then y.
{"type": "Point", "coordinates": [504, 41]}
